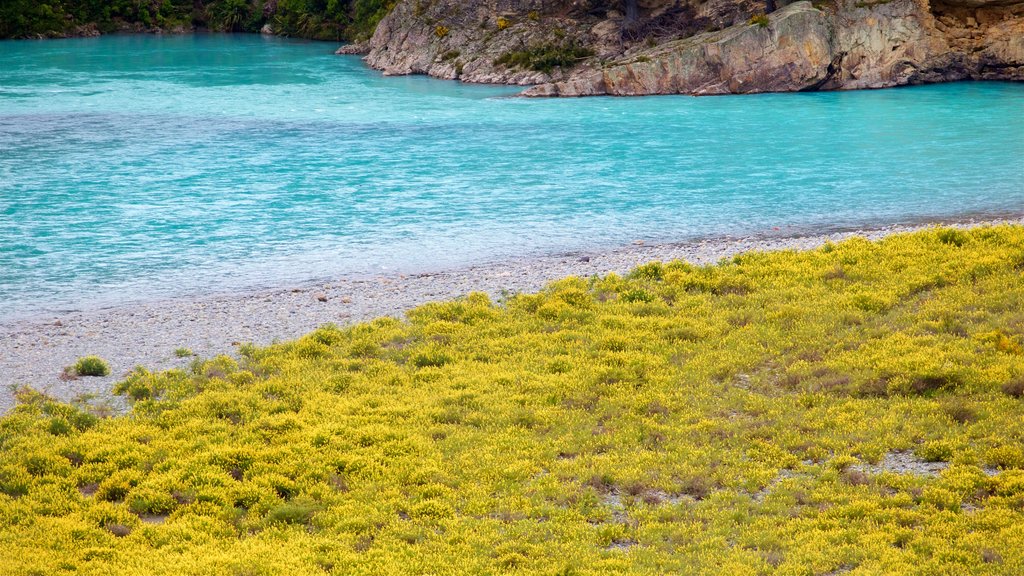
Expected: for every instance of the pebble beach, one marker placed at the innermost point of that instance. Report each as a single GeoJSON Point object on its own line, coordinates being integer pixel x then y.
{"type": "Point", "coordinates": [34, 351]}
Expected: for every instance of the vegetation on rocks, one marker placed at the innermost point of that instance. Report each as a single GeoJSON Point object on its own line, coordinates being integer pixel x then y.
{"type": "Point", "coordinates": [760, 20]}
{"type": "Point", "coordinates": [545, 57]}
{"type": "Point", "coordinates": [319, 19]}
{"type": "Point", "coordinates": [851, 409]}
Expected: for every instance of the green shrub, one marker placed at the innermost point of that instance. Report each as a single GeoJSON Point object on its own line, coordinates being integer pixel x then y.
{"type": "Point", "coordinates": [91, 366]}
{"type": "Point", "coordinates": [937, 451]}
{"type": "Point", "coordinates": [430, 358]}
{"type": "Point", "coordinates": [546, 57]}
{"type": "Point", "coordinates": [1014, 387]}
{"type": "Point", "coordinates": [59, 427]}
{"type": "Point", "coordinates": [760, 20]}
{"type": "Point", "coordinates": [1005, 457]}
{"type": "Point", "coordinates": [293, 513]}
{"type": "Point", "coordinates": [14, 482]}
{"type": "Point", "coordinates": [637, 295]}
{"type": "Point", "coordinates": [952, 237]}
{"type": "Point", "coordinates": [150, 502]}
{"type": "Point", "coordinates": [651, 271]}
{"type": "Point", "coordinates": [117, 486]}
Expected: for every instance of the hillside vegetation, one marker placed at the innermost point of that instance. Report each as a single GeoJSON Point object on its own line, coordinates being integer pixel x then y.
{"type": "Point", "coordinates": [854, 409]}
{"type": "Point", "coordinates": [319, 19]}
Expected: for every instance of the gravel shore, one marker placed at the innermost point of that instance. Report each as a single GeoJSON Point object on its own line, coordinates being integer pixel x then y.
{"type": "Point", "coordinates": [35, 351]}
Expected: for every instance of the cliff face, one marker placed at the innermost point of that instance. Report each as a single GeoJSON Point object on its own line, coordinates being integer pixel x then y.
{"type": "Point", "coordinates": [586, 47]}
{"type": "Point", "coordinates": [457, 39]}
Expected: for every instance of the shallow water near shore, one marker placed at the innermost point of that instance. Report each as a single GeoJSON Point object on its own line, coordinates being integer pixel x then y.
{"type": "Point", "coordinates": [144, 167]}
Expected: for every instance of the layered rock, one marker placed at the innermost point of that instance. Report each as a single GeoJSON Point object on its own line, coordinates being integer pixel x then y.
{"type": "Point", "coordinates": [706, 47]}
{"type": "Point", "coordinates": [468, 39]}
{"type": "Point", "coordinates": [792, 52]}
{"type": "Point", "coordinates": [464, 40]}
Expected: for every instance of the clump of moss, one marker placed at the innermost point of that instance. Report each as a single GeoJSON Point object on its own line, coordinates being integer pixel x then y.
{"type": "Point", "coordinates": [91, 366]}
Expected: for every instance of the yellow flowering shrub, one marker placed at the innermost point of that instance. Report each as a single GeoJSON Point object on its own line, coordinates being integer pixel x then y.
{"type": "Point", "coordinates": [839, 410]}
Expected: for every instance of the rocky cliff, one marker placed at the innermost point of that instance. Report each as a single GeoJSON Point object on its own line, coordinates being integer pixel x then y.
{"type": "Point", "coordinates": [589, 47]}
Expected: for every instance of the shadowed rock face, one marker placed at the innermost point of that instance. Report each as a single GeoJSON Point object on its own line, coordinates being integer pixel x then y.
{"type": "Point", "coordinates": [704, 47]}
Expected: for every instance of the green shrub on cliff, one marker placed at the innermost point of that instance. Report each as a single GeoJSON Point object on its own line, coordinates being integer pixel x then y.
{"type": "Point", "coordinates": [546, 57]}
{"type": "Point", "coordinates": [760, 20]}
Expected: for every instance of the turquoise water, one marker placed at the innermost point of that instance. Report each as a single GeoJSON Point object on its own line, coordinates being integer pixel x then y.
{"type": "Point", "coordinates": [139, 167]}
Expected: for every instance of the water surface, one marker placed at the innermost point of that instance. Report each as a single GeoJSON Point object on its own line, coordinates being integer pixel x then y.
{"type": "Point", "coordinates": [140, 167]}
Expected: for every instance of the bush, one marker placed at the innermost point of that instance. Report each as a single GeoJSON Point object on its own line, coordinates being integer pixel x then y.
{"type": "Point", "coordinates": [959, 411]}
{"type": "Point", "coordinates": [1014, 387]}
{"type": "Point", "coordinates": [150, 502]}
{"type": "Point", "coordinates": [293, 513]}
{"type": "Point", "coordinates": [431, 358]}
{"type": "Point", "coordinates": [760, 20]}
{"type": "Point", "coordinates": [545, 57]}
{"type": "Point", "coordinates": [637, 295]}
{"type": "Point", "coordinates": [930, 383]}
{"type": "Point", "coordinates": [652, 271]}
{"type": "Point", "coordinates": [14, 482]}
{"type": "Point", "coordinates": [117, 486]}
{"type": "Point", "coordinates": [59, 427]}
{"type": "Point", "coordinates": [91, 366]}
{"type": "Point", "coordinates": [952, 237]}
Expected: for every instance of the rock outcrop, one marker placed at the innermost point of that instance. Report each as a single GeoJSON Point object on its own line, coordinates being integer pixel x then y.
{"type": "Point", "coordinates": [792, 52]}
{"type": "Point", "coordinates": [465, 40]}
{"type": "Point", "coordinates": [571, 48]}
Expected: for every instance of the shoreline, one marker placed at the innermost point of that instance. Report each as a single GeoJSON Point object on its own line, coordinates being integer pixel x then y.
{"type": "Point", "coordinates": [36, 349]}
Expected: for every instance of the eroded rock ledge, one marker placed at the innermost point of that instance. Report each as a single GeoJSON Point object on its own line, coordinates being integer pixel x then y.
{"type": "Point", "coordinates": [571, 48]}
